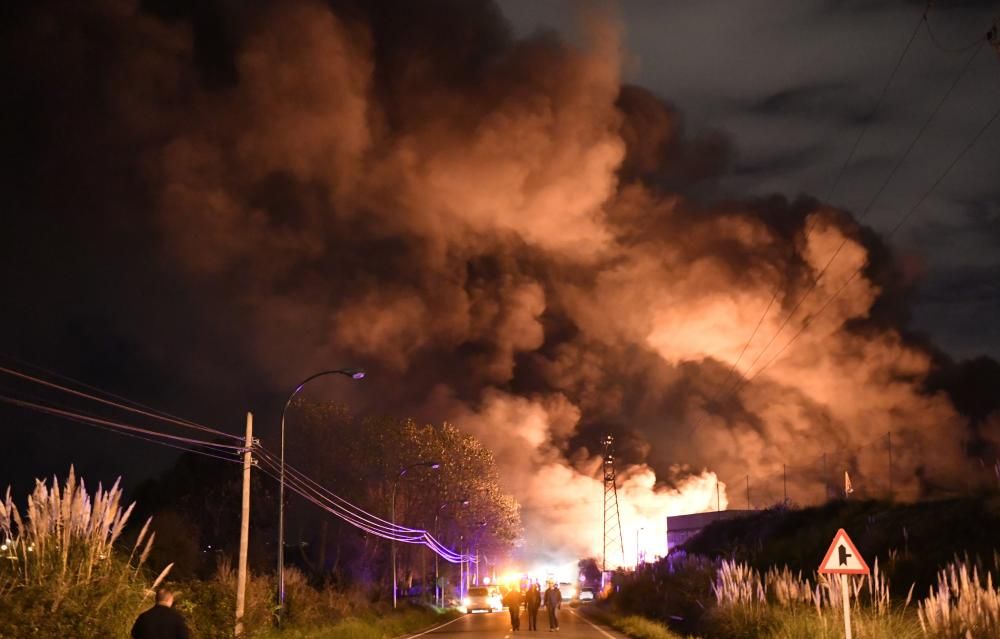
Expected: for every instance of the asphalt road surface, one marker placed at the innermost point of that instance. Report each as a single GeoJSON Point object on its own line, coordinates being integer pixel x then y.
{"type": "Point", "coordinates": [496, 625]}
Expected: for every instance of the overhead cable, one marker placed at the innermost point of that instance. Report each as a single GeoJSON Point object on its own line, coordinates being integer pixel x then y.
{"type": "Point", "coordinates": [896, 227]}
{"type": "Point", "coordinates": [962, 48]}
{"type": "Point", "coordinates": [399, 533]}
{"type": "Point", "coordinates": [76, 416]}
{"type": "Point", "coordinates": [869, 118]}
{"type": "Point", "coordinates": [868, 208]}
{"type": "Point", "coordinates": [147, 413]}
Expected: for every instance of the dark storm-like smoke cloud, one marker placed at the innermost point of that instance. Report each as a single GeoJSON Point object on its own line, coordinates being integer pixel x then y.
{"type": "Point", "coordinates": [502, 233]}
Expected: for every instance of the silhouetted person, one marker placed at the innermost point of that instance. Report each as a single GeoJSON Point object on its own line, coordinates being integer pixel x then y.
{"type": "Point", "coordinates": [553, 601]}
{"type": "Point", "coordinates": [533, 601]}
{"type": "Point", "coordinates": [161, 621]}
{"type": "Point", "coordinates": [513, 601]}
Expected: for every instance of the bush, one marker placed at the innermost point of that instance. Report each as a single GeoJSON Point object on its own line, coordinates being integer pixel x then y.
{"type": "Point", "coordinates": [675, 589]}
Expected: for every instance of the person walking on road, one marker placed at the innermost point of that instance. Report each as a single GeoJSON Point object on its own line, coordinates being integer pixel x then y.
{"type": "Point", "coordinates": [533, 601]}
{"type": "Point", "coordinates": [513, 601]}
{"type": "Point", "coordinates": [161, 621]}
{"type": "Point", "coordinates": [553, 601]}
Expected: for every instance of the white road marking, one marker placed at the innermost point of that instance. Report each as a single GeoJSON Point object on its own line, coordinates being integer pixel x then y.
{"type": "Point", "coordinates": [596, 627]}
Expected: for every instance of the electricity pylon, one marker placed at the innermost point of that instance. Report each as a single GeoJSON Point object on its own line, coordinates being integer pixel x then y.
{"type": "Point", "coordinates": [612, 517]}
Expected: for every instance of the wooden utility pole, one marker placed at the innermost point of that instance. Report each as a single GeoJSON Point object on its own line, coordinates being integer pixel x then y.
{"type": "Point", "coordinates": [241, 571]}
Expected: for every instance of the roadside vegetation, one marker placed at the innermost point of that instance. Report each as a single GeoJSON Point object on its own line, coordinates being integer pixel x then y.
{"type": "Point", "coordinates": [70, 566]}
{"type": "Point", "coordinates": [719, 597]}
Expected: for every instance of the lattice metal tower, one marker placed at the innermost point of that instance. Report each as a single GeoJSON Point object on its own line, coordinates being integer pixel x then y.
{"type": "Point", "coordinates": [612, 518]}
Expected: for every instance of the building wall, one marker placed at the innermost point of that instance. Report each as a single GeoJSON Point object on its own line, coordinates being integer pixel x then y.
{"type": "Point", "coordinates": [680, 528]}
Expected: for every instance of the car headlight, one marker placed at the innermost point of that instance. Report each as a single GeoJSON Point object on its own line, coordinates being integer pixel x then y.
{"type": "Point", "coordinates": [466, 602]}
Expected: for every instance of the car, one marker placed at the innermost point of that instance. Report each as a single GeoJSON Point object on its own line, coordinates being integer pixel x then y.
{"type": "Point", "coordinates": [481, 599]}
{"type": "Point", "coordinates": [586, 594]}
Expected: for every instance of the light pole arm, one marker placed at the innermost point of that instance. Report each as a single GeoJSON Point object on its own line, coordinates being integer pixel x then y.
{"type": "Point", "coordinates": [353, 373]}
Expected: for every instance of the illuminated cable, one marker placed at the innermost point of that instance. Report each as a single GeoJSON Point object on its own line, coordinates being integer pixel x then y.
{"type": "Point", "coordinates": [423, 537]}
{"type": "Point", "coordinates": [373, 527]}
{"type": "Point", "coordinates": [355, 513]}
{"type": "Point", "coordinates": [358, 518]}
{"type": "Point", "coordinates": [372, 519]}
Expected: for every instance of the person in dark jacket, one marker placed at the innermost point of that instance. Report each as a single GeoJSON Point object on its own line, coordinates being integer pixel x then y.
{"type": "Point", "coordinates": [553, 601]}
{"type": "Point", "coordinates": [161, 621]}
{"type": "Point", "coordinates": [513, 601]}
{"type": "Point", "coordinates": [533, 601]}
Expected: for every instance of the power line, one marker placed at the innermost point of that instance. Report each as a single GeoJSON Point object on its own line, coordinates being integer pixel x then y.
{"type": "Point", "coordinates": [76, 416]}
{"type": "Point", "coordinates": [87, 420]}
{"type": "Point", "coordinates": [814, 281]}
{"type": "Point", "coordinates": [298, 481]}
{"type": "Point", "coordinates": [350, 512]}
{"type": "Point", "coordinates": [67, 378]}
{"type": "Point", "coordinates": [393, 532]}
{"type": "Point", "coordinates": [66, 389]}
{"type": "Point", "coordinates": [833, 188]}
{"type": "Point", "coordinates": [187, 449]}
{"type": "Point", "coordinates": [341, 503]}
{"type": "Point", "coordinates": [946, 48]}
{"type": "Point", "coordinates": [896, 227]}
{"type": "Point", "coordinates": [868, 208]}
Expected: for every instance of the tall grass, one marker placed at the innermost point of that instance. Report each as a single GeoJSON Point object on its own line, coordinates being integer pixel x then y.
{"type": "Point", "coordinates": [60, 573]}
{"type": "Point", "coordinates": [737, 584]}
{"type": "Point", "coordinates": [787, 605]}
{"type": "Point", "coordinates": [962, 605]}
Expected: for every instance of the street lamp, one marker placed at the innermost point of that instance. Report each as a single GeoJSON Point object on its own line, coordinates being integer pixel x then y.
{"type": "Point", "coordinates": [353, 373]}
{"type": "Point", "coordinates": [438, 594]}
{"type": "Point", "coordinates": [470, 539]}
{"type": "Point", "coordinates": [433, 465]}
{"type": "Point", "coordinates": [477, 533]}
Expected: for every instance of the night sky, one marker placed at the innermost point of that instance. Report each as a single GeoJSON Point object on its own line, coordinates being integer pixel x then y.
{"type": "Point", "coordinates": [532, 218]}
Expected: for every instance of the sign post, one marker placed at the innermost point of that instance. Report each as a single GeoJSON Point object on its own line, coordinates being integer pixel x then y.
{"type": "Point", "coordinates": [844, 559]}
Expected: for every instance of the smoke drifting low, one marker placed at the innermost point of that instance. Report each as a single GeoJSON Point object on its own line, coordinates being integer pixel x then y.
{"type": "Point", "coordinates": [505, 236]}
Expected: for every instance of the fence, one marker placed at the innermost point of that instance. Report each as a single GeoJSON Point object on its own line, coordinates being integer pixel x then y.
{"type": "Point", "coordinates": [887, 467]}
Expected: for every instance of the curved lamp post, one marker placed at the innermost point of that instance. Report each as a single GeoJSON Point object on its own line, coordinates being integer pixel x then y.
{"type": "Point", "coordinates": [395, 484]}
{"type": "Point", "coordinates": [438, 594]}
{"type": "Point", "coordinates": [353, 373]}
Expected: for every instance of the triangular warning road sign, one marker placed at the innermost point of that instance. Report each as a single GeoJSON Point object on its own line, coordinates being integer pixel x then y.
{"type": "Point", "coordinates": [843, 557]}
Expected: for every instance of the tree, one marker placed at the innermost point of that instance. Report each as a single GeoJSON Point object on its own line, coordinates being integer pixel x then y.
{"type": "Point", "coordinates": [360, 459]}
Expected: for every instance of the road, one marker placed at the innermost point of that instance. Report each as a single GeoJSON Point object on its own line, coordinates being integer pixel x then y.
{"type": "Point", "coordinates": [496, 625]}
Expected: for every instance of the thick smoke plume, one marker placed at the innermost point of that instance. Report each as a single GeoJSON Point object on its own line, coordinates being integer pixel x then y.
{"type": "Point", "coordinates": [506, 237]}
